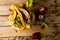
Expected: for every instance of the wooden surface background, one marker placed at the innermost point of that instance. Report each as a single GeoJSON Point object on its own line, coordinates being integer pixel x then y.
{"type": "Point", "coordinates": [6, 30]}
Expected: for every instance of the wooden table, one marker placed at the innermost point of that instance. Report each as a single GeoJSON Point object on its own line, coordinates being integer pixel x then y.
{"type": "Point", "coordinates": [7, 31]}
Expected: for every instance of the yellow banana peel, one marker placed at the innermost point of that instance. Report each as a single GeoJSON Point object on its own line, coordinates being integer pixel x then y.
{"type": "Point", "coordinates": [19, 13]}
{"type": "Point", "coordinates": [12, 17]}
{"type": "Point", "coordinates": [27, 25]}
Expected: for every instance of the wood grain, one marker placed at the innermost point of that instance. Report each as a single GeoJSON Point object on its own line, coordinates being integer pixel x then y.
{"type": "Point", "coordinates": [4, 21]}
{"type": "Point", "coordinates": [8, 2]}
{"type": "Point", "coordinates": [4, 13]}
{"type": "Point", "coordinates": [4, 10]}
{"type": "Point", "coordinates": [9, 31]}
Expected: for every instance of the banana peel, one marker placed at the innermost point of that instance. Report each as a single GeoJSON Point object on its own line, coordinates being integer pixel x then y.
{"type": "Point", "coordinates": [19, 13]}
{"type": "Point", "coordinates": [16, 9]}
{"type": "Point", "coordinates": [12, 17]}
{"type": "Point", "coordinates": [27, 25]}
{"type": "Point", "coordinates": [27, 16]}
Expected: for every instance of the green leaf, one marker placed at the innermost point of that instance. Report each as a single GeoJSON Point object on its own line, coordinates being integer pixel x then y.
{"type": "Point", "coordinates": [27, 4]}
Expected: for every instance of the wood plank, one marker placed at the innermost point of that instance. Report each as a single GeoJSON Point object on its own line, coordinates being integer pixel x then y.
{"type": "Point", "coordinates": [4, 2]}
{"type": "Point", "coordinates": [56, 19]}
{"type": "Point", "coordinates": [58, 8]}
{"type": "Point", "coordinates": [5, 8]}
{"type": "Point", "coordinates": [3, 18]}
{"type": "Point", "coordinates": [49, 17]}
{"type": "Point", "coordinates": [3, 13]}
{"type": "Point", "coordinates": [4, 21]}
{"type": "Point", "coordinates": [9, 31]}
{"type": "Point", "coordinates": [58, 1]}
